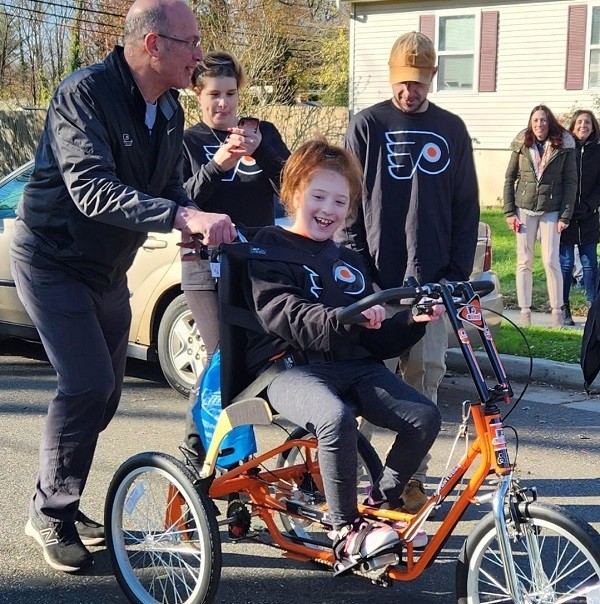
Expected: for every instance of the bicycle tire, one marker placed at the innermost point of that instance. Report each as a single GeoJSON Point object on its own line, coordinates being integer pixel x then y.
{"type": "Point", "coordinates": [369, 468]}
{"type": "Point", "coordinates": [569, 551]}
{"type": "Point", "coordinates": [156, 558]}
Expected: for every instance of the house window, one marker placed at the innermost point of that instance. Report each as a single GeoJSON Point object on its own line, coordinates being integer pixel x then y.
{"type": "Point", "coordinates": [594, 81]}
{"type": "Point", "coordinates": [456, 52]}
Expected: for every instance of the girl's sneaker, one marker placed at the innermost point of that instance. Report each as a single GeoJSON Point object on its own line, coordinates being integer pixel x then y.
{"type": "Point", "coordinates": [419, 541]}
{"type": "Point", "coordinates": [359, 541]}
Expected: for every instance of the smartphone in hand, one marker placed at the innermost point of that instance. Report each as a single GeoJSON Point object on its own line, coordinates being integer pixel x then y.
{"type": "Point", "coordinates": [249, 124]}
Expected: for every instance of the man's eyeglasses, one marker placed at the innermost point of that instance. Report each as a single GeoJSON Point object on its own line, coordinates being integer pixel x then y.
{"type": "Point", "coordinates": [191, 46]}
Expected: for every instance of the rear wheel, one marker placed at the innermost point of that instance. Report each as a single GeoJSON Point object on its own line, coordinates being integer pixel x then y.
{"type": "Point", "coordinates": [161, 534]}
{"type": "Point", "coordinates": [567, 570]}
{"type": "Point", "coordinates": [369, 468]}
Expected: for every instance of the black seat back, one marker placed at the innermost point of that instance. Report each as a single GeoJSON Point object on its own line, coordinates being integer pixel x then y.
{"type": "Point", "coordinates": [234, 319]}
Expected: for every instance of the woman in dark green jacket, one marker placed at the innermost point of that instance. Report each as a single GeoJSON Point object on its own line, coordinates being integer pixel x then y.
{"type": "Point", "coordinates": [539, 194]}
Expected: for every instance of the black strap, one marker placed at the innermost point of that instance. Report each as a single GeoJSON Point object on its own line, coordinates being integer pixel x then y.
{"type": "Point", "coordinates": [240, 317]}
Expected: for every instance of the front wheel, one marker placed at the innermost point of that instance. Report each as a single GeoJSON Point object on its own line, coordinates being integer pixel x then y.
{"type": "Point", "coordinates": [566, 570]}
{"type": "Point", "coordinates": [161, 534]}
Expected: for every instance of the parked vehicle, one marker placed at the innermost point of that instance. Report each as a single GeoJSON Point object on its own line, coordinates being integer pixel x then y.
{"type": "Point", "coordinates": [493, 302]}
{"type": "Point", "coordinates": [162, 327]}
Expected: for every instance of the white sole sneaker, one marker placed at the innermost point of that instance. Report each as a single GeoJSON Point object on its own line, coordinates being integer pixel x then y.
{"type": "Point", "coordinates": [419, 541]}
{"type": "Point", "coordinates": [32, 532]}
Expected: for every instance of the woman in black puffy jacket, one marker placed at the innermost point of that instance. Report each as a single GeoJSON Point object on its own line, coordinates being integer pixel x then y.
{"type": "Point", "coordinates": [583, 229]}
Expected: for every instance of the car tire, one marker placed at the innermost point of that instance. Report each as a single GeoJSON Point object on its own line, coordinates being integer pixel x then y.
{"type": "Point", "coordinates": [181, 351]}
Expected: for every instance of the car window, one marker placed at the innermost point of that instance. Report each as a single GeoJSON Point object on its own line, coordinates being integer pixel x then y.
{"type": "Point", "coordinates": [10, 193]}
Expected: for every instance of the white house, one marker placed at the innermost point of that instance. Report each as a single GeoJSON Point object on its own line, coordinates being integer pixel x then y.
{"type": "Point", "coordinates": [497, 60]}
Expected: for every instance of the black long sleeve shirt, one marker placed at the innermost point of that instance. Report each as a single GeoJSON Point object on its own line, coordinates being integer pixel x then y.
{"type": "Point", "coordinates": [245, 192]}
{"type": "Point", "coordinates": [420, 209]}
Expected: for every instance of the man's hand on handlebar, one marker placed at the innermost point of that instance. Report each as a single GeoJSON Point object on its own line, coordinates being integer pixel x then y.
{"type": "Point", "coordinates": [375, 317]}
{"type": "Point", "coordinates": [214, 228]}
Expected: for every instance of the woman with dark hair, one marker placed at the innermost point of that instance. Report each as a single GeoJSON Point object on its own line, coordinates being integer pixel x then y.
{"type": "Point", "coordinates": [583, 231]}
{"type": "Point", "coordinates": [539, 194]}
{"type": "Point", "coordinates": [229, 166]}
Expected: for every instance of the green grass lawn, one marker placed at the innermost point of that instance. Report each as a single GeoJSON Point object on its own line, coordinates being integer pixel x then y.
{"type": "Point", "coordinates": [558, 345]}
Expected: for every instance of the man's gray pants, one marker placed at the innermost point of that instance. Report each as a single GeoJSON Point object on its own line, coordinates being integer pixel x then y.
{"type": "Point", "coordinates": [85, 335]}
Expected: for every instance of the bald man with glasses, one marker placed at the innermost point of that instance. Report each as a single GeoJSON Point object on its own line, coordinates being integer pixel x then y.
{"type": "Point", "coordinates": [107, 172]}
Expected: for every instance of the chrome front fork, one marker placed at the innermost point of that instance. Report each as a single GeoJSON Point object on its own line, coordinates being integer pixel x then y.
{"type": "Point", "coordinates": [540, 583]}
{"type": "Point", "coordinates": [510, 572]}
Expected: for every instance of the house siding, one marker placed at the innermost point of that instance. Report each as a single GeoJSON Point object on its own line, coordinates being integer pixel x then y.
{"type": "Point", "coordinates": [531, 67]}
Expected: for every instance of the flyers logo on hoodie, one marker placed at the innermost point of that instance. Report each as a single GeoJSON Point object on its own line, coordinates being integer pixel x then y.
{"type": "Point", "coordinates": [349, 279]}
{"type": "Point", "coordinates": [412, 150]}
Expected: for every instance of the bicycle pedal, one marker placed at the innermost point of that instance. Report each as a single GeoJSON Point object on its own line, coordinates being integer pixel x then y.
{"type": "Point", "coordinates": [373, 562]}
{"type": "Point", "coordinates": [311, 512]}
{"type": "Point", "coordinates": [378, 564]}
{"type": "Point", "coordinates": [341, 567]}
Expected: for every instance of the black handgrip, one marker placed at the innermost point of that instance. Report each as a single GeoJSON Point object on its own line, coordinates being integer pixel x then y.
{"type": "Point", "coordinates": [483, 287]}
{"type": "Point", "coordinates": [353, 313]}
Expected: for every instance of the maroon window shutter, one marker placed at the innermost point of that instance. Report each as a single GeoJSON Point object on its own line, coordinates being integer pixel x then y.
{"type": "Point", "coordinates": [427, 26]}
{"type": "Point", "coordinates": [488, 51]}
{"type": "Point", "coordinates": [575, 63]}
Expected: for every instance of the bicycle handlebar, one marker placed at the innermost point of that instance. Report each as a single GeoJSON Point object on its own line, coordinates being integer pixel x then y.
{"type": "Point", "coordinates": [353, 313]}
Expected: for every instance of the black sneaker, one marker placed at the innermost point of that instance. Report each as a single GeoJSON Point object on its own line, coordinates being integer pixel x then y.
{"type": "Point", "coordinates": [90, 531]}
{"type": "Point", "coordinates": [62, 546]}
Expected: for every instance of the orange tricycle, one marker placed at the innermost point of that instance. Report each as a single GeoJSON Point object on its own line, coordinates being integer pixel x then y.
{"type": "Point", "coordinates": [163, 535]}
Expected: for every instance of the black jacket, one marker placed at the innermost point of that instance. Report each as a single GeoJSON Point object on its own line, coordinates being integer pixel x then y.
{"type": "Point", "coordinates": [101, 180]}
{"type": "Point", "coordinates": [590, 344]}
{"type": "Point", "coordinates": [298, 305]}
{"type": "Point", "coordinates": [584, 226]}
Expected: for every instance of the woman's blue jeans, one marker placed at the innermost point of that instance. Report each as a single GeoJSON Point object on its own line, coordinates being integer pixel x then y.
{"type": "Point", "coordinates": [589, 262]}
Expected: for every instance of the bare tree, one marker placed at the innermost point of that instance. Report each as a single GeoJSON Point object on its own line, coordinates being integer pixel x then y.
{"type": "Point", "coordinates": [9, 46]}
{"type": "Point", "coordinates": [290, 49]}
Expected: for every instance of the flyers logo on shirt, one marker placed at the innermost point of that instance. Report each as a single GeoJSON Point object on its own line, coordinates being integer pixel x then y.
{"type": "Point", "coordinates": [246, 165]}
{"type": "Point", "coordinates": [349, 279]}
{"type": "Point", "coordinates": [412, 150]}
{"type": "Point", "coordinates": [471, 313]}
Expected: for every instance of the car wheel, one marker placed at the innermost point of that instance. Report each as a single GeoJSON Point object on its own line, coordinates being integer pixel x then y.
{"type": "Point", "coordinates": [181, 351]}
